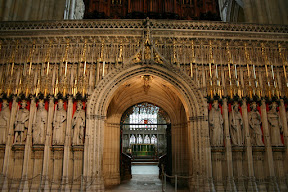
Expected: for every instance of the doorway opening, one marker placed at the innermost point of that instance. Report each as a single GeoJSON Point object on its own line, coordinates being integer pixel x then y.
{"type": "Point", "coordinates": [144, 140]}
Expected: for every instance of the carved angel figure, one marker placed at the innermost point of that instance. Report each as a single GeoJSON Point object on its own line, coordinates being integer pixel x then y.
{"type": "Point", "coordinates": [59, 124]}
{"type": "Point", "coordinates": [275, 125]}
{"type": "Point", "coordinates": [254, 120]}
{"type": "Point", "coordinates": [78, 125]}
{"type": "Point", "coordinates": [21, 123]}
{"type": "Point", "coordinates": [236, 126]}
{"type": "Point", "coordinates": [216, 125]}
{"type": "Point", "coordinates": [39, 124]}
{"type": "Point", "coordinates": [4, 121]}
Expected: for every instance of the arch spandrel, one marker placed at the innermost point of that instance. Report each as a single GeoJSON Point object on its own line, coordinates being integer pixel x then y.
{"type": "Point", "coordinates": [191, 97]}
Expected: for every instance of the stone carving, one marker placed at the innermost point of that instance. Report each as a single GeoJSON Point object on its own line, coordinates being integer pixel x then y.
{"type": "Point", "coordinates": [79, 9]}
{"type": "Point", "coordinates": [4, 121]}
{"type": "Point", "coordinates": [59, 124]}
{"type": "Point", "coordinates": [78, 125]}
{"type": "Point", "coordinates": [275, 125]}
{"type": "Point", "coordinates": [39, 124]}
{"type": "Point", "coordinates": [21, 123]}
{"type": "Point", "coordinates": [216, 125]}
{"type": "Point", "coordinates": [254, 120]}
{"type": "Point", "coordinates": [236, 126]}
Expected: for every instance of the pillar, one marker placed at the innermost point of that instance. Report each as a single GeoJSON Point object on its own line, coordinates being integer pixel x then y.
{"type": "Point", "coordinates": [230, 182]}
{"type": "Point", "coordinates": [47, 148]}
{"type": "Point", "coordinates": [261, 12]}
{"type": "Point", "coordinates": [7, 10]}
{"type": "Point", "coordinates": [71, 9]}
{"type": "Point", "coordinates": [285, 135]}
{"type": "Point", "coordinates": [8, 161]}
{"type": "Point", "coordinates": [252, 186]}
{"type": "Point", "coordinates": [96, 178]}
{"type": "Point", "coordinates": [248, 11]}
{"type": "Point", "coordinates": [268, 154]}
{"type": "Point", "coordinates": [27, 153]}
{"type": "Point", "coordinates": [283, 4]}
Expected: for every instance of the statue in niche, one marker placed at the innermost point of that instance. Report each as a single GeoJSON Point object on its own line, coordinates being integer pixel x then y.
{"type": "Point", "coordinates": [59, 124]}
{"type": "Point", "coordinates": [216, 125]}
{"type": "Point", "coordinates": [254, 120]}
{"type": "Point", "coordinates": [39, 124]}
{"type": "Point", "coordinates": [275, 125]}
{"type": "Point", "coordinates": [236, 126]}
{"type": "Point", "coordinates": [78, 125]}
{"type": "Point", "coordinates": [4, 121]}
{"type": "Point", "coordinates": [21, 123]}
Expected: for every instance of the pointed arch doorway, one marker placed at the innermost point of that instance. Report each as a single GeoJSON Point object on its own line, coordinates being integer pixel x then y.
{"type": "Point", "coordinates": [174, 93]}
{"type": "Point", "coordinates": [145, 139]}
{"type": "Point", "coordinates": [160, 93]}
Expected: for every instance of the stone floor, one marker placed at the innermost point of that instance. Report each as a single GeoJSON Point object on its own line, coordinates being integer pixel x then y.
{"type": "Point", "coordinates": [144, 179]}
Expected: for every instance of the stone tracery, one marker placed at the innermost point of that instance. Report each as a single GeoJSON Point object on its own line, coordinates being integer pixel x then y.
{"type": "Point", "coordinates": [103, 75]}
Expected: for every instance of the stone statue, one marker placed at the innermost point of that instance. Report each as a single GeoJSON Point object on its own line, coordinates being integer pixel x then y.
{"type": "Point", "coordinates": [79, 9]}
{"type": "Point", "coordinates": [39, 124]}
{"type": "Point", "coordinates": [4, 121]}
{"type": "Point", "coordinates": [78, 125]}
{"type": "Point", "coordinates": [21, 123]}
{"type": "Point", "coordinates": [59, 124]}
{"type": "Point", "coordinates": [275, 125]}
{"type": "Point", "coordinates": [254, 120]}
{"type": "Point", "coordinates": [236, 126]}
{"type": "Point", "coordinates": [216, 125]}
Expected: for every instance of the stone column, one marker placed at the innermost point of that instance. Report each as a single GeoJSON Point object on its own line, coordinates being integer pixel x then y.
{"type": "Point", "coordinates": [230, 183]}
{"type": "Point", "coordinates": [9, 142]}
{"type": "Point", "coordinates": [275, 11]}
{"type": "Point", "coordinates": [238, 168]}
{"type": "Point", "coordinates": [217, 164]}
{"type": "Point", "coordinates": [27, 10]}
{"type": "Point", "coordinates": [252, 186]}
{"type": "Point", "coordinates": [266, 5]}
{"type": "Point", "coordinates": [7, 10]}
{"type": "Point", "coordinates": [71, 9]}
{"type": "Point", "coordinates": [209, 185]}
{"type": "Point", "coordinates": [27, 153]}
{"type": "Point", "coordinates": [16, 11]}
{"type": "Point", "coordinates": [268, 154]}
{"type": "Point", "coordinates": [283, 4]}
{"type": "Point", "coordinates": [285, 135]}
{"type": "Point", "coordinates": [47, 148]}
{"type": "Point", "coordinates": [67, 147]}
{"type": "Point", "coordinates": [261, 12]}
{"type": "Point", "coordinates": [87, 147]}
{"type": "Point", "coordinates": [97, 183]}
{"type": "Point", "coordinates": [77, 167]}
{"type": "Point", "coordinates": [111, 165]}
{"type": "Point", "coordinates": [248, 11]}
{"type": "Point", "coordinates": [195, 171]}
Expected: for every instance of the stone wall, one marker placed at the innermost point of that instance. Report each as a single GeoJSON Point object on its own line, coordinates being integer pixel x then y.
{"type": "Point", "coordinates": [45, 65]}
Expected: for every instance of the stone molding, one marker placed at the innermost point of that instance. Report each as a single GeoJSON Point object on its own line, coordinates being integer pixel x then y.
{"type": "Point", "coordinates": [164, 28]}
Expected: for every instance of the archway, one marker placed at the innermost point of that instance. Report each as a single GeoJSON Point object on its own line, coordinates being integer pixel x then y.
{"type": "Point", "coordinates": [168, 89]}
